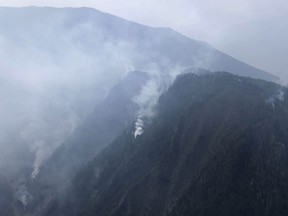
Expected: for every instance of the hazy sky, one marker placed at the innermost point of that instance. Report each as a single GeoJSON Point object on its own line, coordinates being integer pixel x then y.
{"type": "Point", "coordinates": [254, 31]}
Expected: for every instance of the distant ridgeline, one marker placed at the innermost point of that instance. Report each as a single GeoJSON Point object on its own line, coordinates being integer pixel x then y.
{"type": "Point", "coordinates": [111, 42]}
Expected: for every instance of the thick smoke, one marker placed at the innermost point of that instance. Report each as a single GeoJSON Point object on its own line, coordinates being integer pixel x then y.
{"type": "Point", "coordinates": [149, 95]}
{"type": "Point", "coordinates": [146, 100]}
{"type": "Point", "coordinates": [139, 124]}
{"type": "Point", "coordinates": [60, 71]}
{"type": "Point", "coordinates": [54, 74]}
{"type": "Point", "coordinates": [51, 79]}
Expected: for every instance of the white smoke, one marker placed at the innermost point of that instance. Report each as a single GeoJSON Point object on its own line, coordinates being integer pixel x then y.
{"type": "Point", "coordinates": [44, 134]}
{"type": "Point", "coordinates": [149, 95]}
{"type": "Point", "coordinates": [22, 194]}
{"type": "Point", "coordinates": [58, 74]}
{"type": "Point", "coordinates": [280, 96]}
{"type": "Point", "coordinates": [146, 100]}
{"type": "Point", "coordinates": [138, 128]}
{"type": "Point", "coordinates": [40, 149]}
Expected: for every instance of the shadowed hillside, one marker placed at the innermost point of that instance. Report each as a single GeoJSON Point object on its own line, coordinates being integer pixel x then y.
{"type": "Point", "coordinates": [216, 147]}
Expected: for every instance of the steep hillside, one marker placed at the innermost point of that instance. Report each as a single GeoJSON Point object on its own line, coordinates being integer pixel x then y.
{"type": "Point", "coordinates": [68, 114]}
{"type": "Point", "coordinates": [58, 63]}
{"type": "Point", "coordinates": [108, 120]}
{"type": "Point", "coordinates": [217, 146]}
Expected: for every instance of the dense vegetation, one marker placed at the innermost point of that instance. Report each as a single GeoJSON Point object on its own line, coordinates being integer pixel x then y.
{"type": "Point", "coordinates": [217, 146]}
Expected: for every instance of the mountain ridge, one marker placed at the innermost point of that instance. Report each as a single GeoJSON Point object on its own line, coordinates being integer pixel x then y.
{"type": "Point", "coordinates": [69, 58]}
{"type": "Point", "coordinates": [202, 121]}
{"type": "Point", "coordinates": [211, 57]}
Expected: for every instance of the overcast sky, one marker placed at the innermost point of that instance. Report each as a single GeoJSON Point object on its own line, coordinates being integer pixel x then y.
{"type": "Point", "coordinates": [255, 31]}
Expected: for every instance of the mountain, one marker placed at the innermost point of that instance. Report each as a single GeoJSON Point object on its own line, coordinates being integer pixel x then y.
{"type": "Point", "coordinates": [71, 105]}
{"type": "Point", "coordinates": [217, 146]}
{"type": "Point", "coordinates": [59, 63]}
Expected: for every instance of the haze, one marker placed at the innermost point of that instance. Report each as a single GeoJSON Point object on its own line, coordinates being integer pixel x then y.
{"type": "Point", "coordinates": [74, 79]}
{"type": "Point", "coordinates": [252, 31]}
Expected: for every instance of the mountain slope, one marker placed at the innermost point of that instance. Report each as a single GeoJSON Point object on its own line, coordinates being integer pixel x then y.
{"type": "Point", "coordinates": [65, 61]}
{"type": "Point", "coordinates": [108, 120]}
{"type": "Point", "coordinates": [218, 146]}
